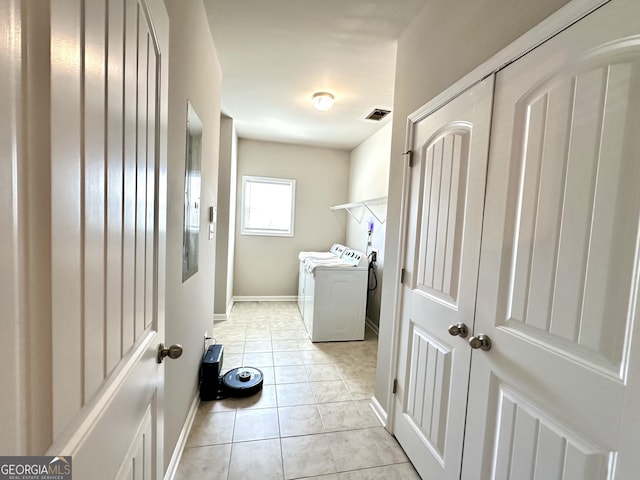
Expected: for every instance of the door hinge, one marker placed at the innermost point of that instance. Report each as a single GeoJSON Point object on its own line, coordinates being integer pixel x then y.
{"type": "Point", "coordinates": [395, 386]}
{"type": "Point", "coordinates": [409, 154]}
{"type": "Point", "coordinates": [402, 276]}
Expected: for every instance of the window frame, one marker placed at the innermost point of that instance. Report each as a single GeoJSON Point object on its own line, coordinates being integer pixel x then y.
{"type": "Point", "coordinates": [266, 232]}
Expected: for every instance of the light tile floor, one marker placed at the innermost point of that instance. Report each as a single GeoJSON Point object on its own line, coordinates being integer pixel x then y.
{"type": "Point", "coordinates": [312, 418]}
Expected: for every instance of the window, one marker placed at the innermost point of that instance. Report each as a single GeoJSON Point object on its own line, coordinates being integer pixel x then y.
{"type": "Point", "coordinates": [268, 206]}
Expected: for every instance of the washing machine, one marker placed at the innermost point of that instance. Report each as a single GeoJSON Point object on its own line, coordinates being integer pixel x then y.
{"type": "Point", "coordinates": [335, 251]}
{"type": "Point", "coordinates": [335, 296]}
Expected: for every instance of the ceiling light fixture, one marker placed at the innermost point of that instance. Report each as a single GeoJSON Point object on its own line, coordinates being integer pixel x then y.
{"type": "Point", "coordinates": [322, 101]}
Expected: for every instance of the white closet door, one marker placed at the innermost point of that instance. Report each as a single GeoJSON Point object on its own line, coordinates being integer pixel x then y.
{"type": "Point", "coordinates": [558, 285]}
{"type": "Point", "coordinates": [447, 184]}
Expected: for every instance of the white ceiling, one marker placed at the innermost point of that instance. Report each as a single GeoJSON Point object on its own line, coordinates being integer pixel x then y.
{"type": "Point", "coordinates": [275, 54]}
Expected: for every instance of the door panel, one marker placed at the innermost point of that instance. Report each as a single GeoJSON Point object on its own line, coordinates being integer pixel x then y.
{"type": "Point", "coordinates": [556, 452]}
{"type": "Point", "coordinates": [138, 459]}
{"type": "Point", "coordinates": [428, 390]}
{"type": "Point", "coordinates": [447, 193]}
{"type": "Point", "coordinates": [567, 269]}
{"type": "Point", "coordinates": [93, 190]}
{"type": "Point", "coordinates": [79, 194]}
{"type": "Point", "coordinates": [558, 286]}
{"type": "Point", "coordinates": [108, 175]}
{"type": "Point", "coordinates": [114, 187]}
{"type": "Point", "coordinates": [130, 71]}
{"type": "Point", "coordinates": [66, 212]}
{"type": "Point", "coordinates": [443, 212]}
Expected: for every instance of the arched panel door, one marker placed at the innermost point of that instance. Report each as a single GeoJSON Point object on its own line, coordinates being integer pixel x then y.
{"type": "Point", "coordinates": [558, 285]}
{"type": "Point", "coordinates": [447, 185]}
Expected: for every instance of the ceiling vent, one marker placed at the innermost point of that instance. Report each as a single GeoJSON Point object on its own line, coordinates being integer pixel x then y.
{"type": "Point", "coordinates": [378, 114]}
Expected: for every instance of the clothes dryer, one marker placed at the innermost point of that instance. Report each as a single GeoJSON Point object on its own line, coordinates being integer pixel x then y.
{"type": "Point", "coordinates": [335, 297]}
{"type": "Point", "coordinates": [334, 252]}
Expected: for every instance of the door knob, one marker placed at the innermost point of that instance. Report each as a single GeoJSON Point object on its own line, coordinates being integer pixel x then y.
{"type": "Point", "coordinates": [174, 351]}
{"type": "Point", "coordinates": [459, 330]}
{"type": "Point", "coordinates": [482, 342]}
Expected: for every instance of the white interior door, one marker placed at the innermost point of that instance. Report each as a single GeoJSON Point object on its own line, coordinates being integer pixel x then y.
{"type": "Point", "coordinates": [447, 184]}
{"type": "Point", "coordinates": [108, 177]}
{"type": "Point", "coordinates": [558, 285]}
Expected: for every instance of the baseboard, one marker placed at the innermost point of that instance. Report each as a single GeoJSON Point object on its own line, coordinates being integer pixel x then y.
{"type": "Point", "coordinates": [278, 298]}
{"type": "Point", "coordinates": [172, 468]}
{"type": "Point", "coordinates": [379, 411]}
{"type": "Point", "coordinates": [220, 317]}
{"type": "Point", "coordinates": [369, 323]}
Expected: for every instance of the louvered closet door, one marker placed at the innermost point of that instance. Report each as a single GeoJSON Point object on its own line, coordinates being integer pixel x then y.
{"type": "Point", "coordinates": [447, 183]}
{"type": "Point", "coordinates": [558, 285]}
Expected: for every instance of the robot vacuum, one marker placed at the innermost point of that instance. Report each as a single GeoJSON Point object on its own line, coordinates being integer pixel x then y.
{"type": "Point", "coordinates": [241, 382]}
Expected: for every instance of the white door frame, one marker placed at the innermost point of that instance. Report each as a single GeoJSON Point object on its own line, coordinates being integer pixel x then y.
{"type": "Point", "coordinates": [24, 244]}
{"type": "Point", "coordinates": [551, 26]}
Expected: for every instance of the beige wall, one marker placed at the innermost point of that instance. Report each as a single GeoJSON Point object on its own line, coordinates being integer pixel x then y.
{"type": "Point", "coordinates": [268, 266]}
{"type": "Point", "coordinates": [194, 74]}
{"type": "Point", "coordinates": [225, 235]}
{"type": "Point", "coordinates": [369, 166]}
{"type": "Point", "coordinates": [448, 39]}
{"type": "Point", "coordinates": [369, 179]}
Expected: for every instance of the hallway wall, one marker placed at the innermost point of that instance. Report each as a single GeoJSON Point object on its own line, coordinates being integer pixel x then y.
{"type": "Point", "coordinates": [226, 224]}
{"type": "Point", "coordinates": [369, 179]}
{"type": "Point", "coordinates": [194, 74]}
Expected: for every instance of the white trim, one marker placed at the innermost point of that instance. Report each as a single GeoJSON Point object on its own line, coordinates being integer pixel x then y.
{"type": "Point", "coordinates": [395, 331]}
{"type": "Point", "coordinates": [379, 411]}
{"type": "Point", "coordinates": [369, 323]}
{"type": "Point", "coordinates": [548, 28]}
{"type": "Point", "coordinates": [275, 298]}
{"type": "Point", "coordinates": [172, 468]}
{"type": "Point", "coordinates": [267, 231]}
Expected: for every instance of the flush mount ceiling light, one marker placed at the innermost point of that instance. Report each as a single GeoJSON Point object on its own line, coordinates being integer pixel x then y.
{"type": "Point", "coordinates": [322, 101]}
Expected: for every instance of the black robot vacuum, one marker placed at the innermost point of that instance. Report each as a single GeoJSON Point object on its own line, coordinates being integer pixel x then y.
{"type": "Point", "coordinates": [237, 382]}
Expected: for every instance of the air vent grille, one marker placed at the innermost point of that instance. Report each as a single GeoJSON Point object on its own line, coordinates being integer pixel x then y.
{"type": "Point", "coordinates": [378, 114]}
